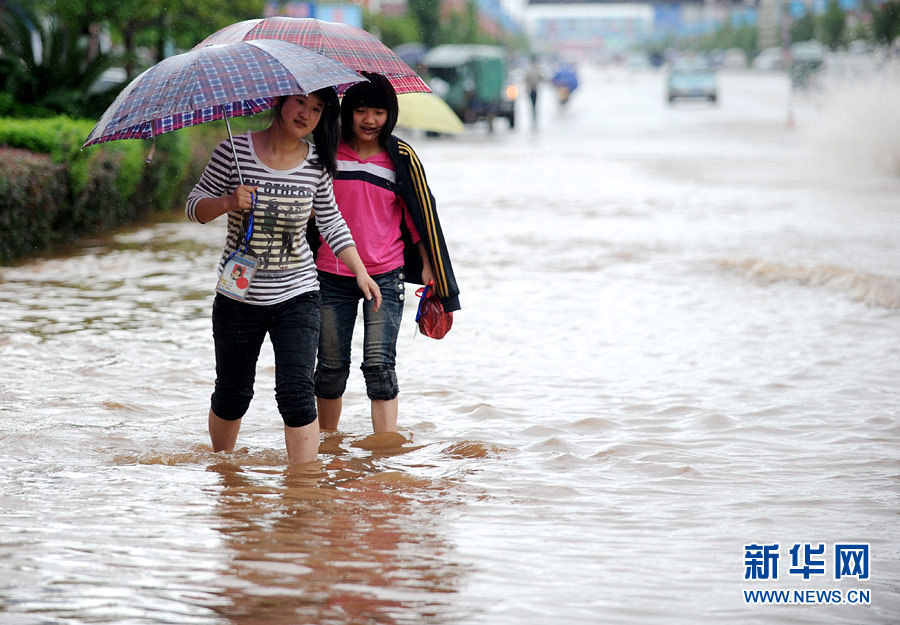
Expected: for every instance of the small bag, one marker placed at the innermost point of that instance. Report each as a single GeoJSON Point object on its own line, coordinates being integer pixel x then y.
{"type": "Point", "coordinates": [240, 266]}
{"type": "Point", "coordinates": [431, 318]}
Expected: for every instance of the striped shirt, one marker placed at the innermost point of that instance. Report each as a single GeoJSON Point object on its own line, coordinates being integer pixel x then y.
{"type": "Point", "coordinates": [285, 201]}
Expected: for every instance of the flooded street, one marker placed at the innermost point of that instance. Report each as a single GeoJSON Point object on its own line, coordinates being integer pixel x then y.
{"type": "Point", "coordinates": [678, 338]}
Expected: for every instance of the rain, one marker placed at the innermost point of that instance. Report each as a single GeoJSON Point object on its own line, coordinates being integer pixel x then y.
{"type": "Point", "coordinates": [670, 395]}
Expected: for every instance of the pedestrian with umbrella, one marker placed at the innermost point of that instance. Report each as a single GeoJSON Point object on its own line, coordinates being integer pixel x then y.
{"type": "Point", "coordinates": [384, 196]}
{"type": "Point", "coordinates": [268, 279]}
{"type": "Point", "coordinates": [268, 183]}
{"type": "Point", "coordinates": [406, 194]}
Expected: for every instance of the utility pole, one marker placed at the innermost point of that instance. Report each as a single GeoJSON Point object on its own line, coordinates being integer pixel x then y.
{"type": "Point", "coordinates": [788, 57]}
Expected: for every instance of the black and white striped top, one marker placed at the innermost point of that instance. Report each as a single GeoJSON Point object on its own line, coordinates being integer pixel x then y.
{"type": "Point", "coordinates": [285, 201]}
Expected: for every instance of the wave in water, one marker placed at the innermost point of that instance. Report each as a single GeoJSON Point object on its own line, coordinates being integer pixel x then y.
{"type": "Point", "coordinates": [870, 289]}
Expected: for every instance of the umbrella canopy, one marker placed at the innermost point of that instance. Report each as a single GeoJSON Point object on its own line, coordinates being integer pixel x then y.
{"type": "Point", "coordinates": [411, 53]}
{"type": "Point", "coordinates": [427, 111]}
{"type": "Point", "coordinates": [215, 82]}
{"type": "Point", "coordinates": [354, 47]}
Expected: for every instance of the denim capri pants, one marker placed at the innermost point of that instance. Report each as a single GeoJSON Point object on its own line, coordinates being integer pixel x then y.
{"type": "Point", "coordinates": [340, 303]}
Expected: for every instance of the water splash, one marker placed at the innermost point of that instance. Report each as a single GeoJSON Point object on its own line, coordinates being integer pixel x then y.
{"type": "Point", "coordinates": [856, 122]}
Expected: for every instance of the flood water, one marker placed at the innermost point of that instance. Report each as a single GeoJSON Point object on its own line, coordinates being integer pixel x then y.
{"type": "Point", "coordinates": [678, 339]}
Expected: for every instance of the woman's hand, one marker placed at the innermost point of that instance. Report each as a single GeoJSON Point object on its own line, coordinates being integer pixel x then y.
{"type": "Point", "coordinates": [242, 198]}
{"type": "Point", "coordinates": [427, 273]}
{"type": "Point", "coordinates": [370, 289]}
{"type": "Point", "coordinates": [364, 281]}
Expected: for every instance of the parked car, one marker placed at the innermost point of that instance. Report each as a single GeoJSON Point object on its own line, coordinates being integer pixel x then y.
{"type": "Point", "coordinates": [770, 59]}
{"type": "Point", "coordinates": [473, 80]}
{"type": "Point", "coordinates": [734, 58]}
{"type": "Point", "coordinates": [692, 78]}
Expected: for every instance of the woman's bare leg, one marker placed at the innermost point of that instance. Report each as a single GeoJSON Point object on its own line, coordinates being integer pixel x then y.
{"type": "Point", "coordinates": [223, 434]}
{"type": "Point", "coordinates": [329, 412]}
{"type": "Point", "coordinates": [384, 415]}
{"type": "Point", "coordinates": [302, 443]}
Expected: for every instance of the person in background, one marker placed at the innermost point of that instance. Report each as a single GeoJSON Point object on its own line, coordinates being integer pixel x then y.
{"type": "Point", "coordinates": [382, 192]}
{"type": "Point", "coordinates": [565, 79]}
{"type": "Point", "coordinates": [286, 178]}
{"type": "Point", "coordinates": [533, 79]}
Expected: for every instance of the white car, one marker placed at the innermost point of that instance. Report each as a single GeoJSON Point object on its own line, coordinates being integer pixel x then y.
{"type": "Point", "coordinates": [770, 59]}
{"type": "Point", "coordinates": [692, 78]}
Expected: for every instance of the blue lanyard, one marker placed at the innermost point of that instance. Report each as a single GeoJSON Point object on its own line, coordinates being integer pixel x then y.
{"type": "Point", "coordinates": [422, 292]}
{"type": "Point", "coordinates": [245, 244]}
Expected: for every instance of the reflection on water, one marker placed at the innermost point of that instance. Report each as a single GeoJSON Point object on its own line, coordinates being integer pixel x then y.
{"type": "Point", "coordinates": [677, 338]}
{"type": "Point", "coordinates": [345, 545]}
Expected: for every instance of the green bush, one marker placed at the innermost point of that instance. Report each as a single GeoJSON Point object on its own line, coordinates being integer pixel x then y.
{"type": "Point", "coordinates": [10, 108]}
{"type": "Point", "coordinates": [32, 198]}
{"type": "Point", "coordinates": [52, 191]}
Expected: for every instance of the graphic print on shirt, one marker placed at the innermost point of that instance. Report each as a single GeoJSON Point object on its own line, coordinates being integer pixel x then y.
{"type": "Point", "coordinates": [279, 224]}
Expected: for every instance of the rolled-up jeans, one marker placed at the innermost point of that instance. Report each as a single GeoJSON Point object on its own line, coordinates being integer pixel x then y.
{"type": "Point", "coordinates": [239, 330]}
{"type": "Point", "coordinates": [340, 304]}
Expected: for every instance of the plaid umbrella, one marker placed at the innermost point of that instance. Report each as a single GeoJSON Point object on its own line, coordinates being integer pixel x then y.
{"type": "Point", "coordinates": [215, 82]}
{"type": "Point", "coordinates": [354, 47]}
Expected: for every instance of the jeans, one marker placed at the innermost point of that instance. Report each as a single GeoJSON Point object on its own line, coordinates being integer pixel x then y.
{"type": "Point", "coordinates": [239, 330]}
{"type": "Point", "coordinates": [340, 302]}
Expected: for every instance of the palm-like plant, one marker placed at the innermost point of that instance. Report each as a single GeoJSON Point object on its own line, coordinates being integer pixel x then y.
{"type": "Point", "coordinates": [45, 64]}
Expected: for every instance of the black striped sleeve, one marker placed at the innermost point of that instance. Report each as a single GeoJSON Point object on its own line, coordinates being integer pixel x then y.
{"type": "Point", "coordinates": [423, 195]}
{"type": "Point", "coordinates": [329, 221]}
{"type": "Point", "coordinates": [217, 180]}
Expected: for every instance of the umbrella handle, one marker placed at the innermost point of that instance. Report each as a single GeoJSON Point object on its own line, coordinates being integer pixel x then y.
{"type": "Point", "coordinates": [149, 158]}
{"type": "Point", "coordinates": [240, 181]}
{"type": "Point", "coordinates": [234, 152]}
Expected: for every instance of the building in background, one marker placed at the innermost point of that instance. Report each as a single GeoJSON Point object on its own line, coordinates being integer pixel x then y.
{"type": "Point", "coordinates": [346, 13]}
{"type": "Point", "coordinates": [493, 16]}
{"type": "Point", "coordinates": [594, 30]}
{"type": "Point", "coordinates": [588, 30]}
{"type": "Point", "coordinates": [601, 30]}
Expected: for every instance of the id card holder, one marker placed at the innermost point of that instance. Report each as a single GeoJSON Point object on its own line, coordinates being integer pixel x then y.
{"type": "Point", "coordinates": [237, 276]}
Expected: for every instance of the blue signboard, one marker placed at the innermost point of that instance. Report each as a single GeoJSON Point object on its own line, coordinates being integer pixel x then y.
{"type": "Point", "coordinates": [344, 13]}
{"type": "Point", "coordinates": [289, 9]}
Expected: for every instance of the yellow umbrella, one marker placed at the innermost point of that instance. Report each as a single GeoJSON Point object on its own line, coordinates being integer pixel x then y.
{"type": "Point", "coordinates": [427, 111]}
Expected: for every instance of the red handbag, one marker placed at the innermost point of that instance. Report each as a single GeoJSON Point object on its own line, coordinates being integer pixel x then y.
{"type": "Point", "coordinates": [431, 318]}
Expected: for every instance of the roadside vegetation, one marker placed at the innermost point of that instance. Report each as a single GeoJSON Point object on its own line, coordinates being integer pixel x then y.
{"type": "Point", "coordinates": [63, 62]}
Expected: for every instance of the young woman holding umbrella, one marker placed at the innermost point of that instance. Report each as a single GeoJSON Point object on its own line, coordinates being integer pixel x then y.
{"type": "Point", "coordinates": [382, 193]}
{"type": "Point", "coordinates": [268, 279]}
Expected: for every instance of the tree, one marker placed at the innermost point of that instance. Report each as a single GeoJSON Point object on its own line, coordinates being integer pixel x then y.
{"type": "Point", "coordinates": [457, 27]}
{"type": "Point", "coordinates": [152, 23]}
{"type": "Point", "coordinates": [727, 36]}
{"type": "Point", "coordinates": [428, 14]}
{"type": "Point", "coordinates": [393, 30]}
{"type": "Point", "coordinates": [45, 63]}
{"type": "Point", "coordinates": [463, 27]}
{"type": "Point", "coordinates": [886, 22]}
{"type": "Point", "coordinates": [804, 28]}
{"type": "Point", "coordinates": [832, 25]}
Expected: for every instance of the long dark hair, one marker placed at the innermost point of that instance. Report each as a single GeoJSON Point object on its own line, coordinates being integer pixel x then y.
{"type": "Point", "coordinates": [325, 134]}
{"type": "Point", "coordinates": [377, 93]}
